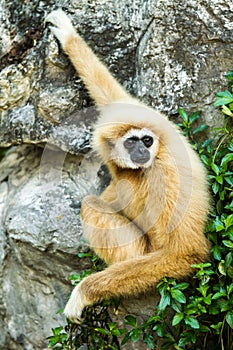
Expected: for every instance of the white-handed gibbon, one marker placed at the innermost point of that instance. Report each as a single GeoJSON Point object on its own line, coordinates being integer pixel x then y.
{"type": "Point", "coordinates": [149, 222]}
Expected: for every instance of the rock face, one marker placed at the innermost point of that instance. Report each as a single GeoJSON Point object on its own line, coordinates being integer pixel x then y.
{"type": "Point", "coordinates": [167, 53]}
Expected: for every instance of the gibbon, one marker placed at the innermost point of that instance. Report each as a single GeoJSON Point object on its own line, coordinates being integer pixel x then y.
{"type": "Point", "coordinates": [149, 222]}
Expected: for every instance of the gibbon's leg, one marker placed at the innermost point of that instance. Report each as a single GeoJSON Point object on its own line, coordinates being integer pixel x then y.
{"type": "Point", "coordinates": [126, 278]}
{"type": "Point", "coordinates": [112, 236]}
{"type": "Point", "coordinates": [101, 85]}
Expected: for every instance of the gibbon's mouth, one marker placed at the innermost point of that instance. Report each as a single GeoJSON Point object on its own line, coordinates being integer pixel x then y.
{"type": "Point", "coordinates": [140, 160]}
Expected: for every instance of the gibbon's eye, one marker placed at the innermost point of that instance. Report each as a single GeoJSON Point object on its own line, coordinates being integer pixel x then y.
{"type": "Point", "coordinates": [147, 140]}
{"type": "Point", "coordinates": [130, 142]}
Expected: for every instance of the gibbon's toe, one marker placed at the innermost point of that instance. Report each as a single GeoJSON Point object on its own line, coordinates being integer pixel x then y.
{"type": "Point", "coordinates": [76, 320]}
{"type": "Point", "coordinates": [73, 312]}
{"type": "Point", "coordinates": [75, 305]}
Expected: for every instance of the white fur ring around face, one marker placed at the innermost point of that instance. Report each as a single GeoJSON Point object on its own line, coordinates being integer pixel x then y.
{"type": "Point", "coordinates": [75, 305]}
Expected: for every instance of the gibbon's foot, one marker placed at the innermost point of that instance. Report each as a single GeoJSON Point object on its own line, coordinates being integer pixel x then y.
{"type": "Point", "coordinates": [75, 305]}
{"type": "Point", "coordinates": [62, 27]}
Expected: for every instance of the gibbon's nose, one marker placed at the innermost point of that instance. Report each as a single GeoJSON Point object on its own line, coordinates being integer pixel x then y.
{"type": "Point", "coordinates": [140, 154]}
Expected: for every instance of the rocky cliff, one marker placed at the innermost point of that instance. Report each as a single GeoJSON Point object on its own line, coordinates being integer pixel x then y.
{"type": "Point", "coordinates": [167, 53]}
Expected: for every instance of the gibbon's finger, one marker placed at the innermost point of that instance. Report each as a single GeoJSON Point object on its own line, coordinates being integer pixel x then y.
{"type": "Point", "coordinates": [59, 19]}
{"type": "Point", "coordinates": [62, 27]}
{"type": "Point", "coordinates": [57, 33]}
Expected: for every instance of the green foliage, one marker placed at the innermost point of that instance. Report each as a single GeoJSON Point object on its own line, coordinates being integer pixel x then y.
{"type": "Point", "coordinates": [3, 152]}
{"type": "Point", "coordinates": [97, 332]}
{"type": "Point", "coordinates": [193, 315]}
{"type": "Point", "coordinates": [225, 98]}
{"type": "Point", "coordinates": [96, 265]}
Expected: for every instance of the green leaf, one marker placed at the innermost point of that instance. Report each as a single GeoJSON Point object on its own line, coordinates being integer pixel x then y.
{"type": "Point", "coordinates": [224, 305]}
{"type": "Point", "coordinates": [230, 146]}
{"type": "Point", "coordinates": [178, 295]}
{"type": "Point", "coordinates": [192, 322]}
{"type": "Point", "coordinates": [177, 319]}
{"type": "Point", "coordinates": [215, 187]}
{"type": "Point", "coordinates": [135, 334]}
{"type": "Point", "coordinates": [229, 75]}
{"type": "Point", "coordinates": [223, 98]}
{"type": "Point", "coordinates": [57, 330]}
{"type": "Point", "coordinates": [194, 116]}
{"type": "Point", "coordinates": [164, 302]}
{"type": "Point", "coordinates": [221, 268]}
{"type": "Point", "coordinates": [112, 325]}
{"type": "Point", "coordinates": [75, 277]}
{"type": "Point", "coordinates": [225, 93]}
{"type": "Point", "coordinates": [183, 114]}
{"type": "Point", "coordinates": [228, 221]}
{"type": "Point", "coordinates": [102, 331]}
{"type": "Point", "coordinates": [82, 255]}
{"type": "Point", "coordinates": [218, 295]}
{"type": "Point", "coordinates": [219, 179]}
{"type": "Point", "coordinates": [205, 159]}
{"type": "Point", "coordinates": [226, 159]}
{"type": "Point", "coordinates": [229, 318]}
{"type": "Point", "coordinates": [228, 244]}
{"type": "Point", "coordinates": [222, 195]}
{"type": "Point", "coordinates": [148, 340]}
{"type": "Point", "coordinates": [230, 272]}
{"type": "Point", "coordinates": [217, 327]}
{"type": "Point", "coordinates": [186, 338]}
{"type": "Point", "coordinates": [229, 180]}
{"type": "Point", "coordinates": [219, 226]}
{"type": "Point", "coordinates": [207, 300]}
{"type": "Point", "coordinates": [159, 328]}
{"type": "Point", "coordinates": [216, 250]}
{"type": "Point", "coordinates": [181, 286]}
{"type": "Point", "coordinates": [176, 306]}
{"type": "Point", "coordinates": [131, 320]}
{"type": "Point", "coordinates": [203, 288]}
{"type": "Point", "coordinates": [230, 289]}
{"type": "Point", "coordinates": [215, 168]}
{"type": "Point", "coordinates": [228, 261]}
{"type": "Point", "coordinates": [202, 127]}
{"type": "Point", "coordinates": [60, 311]}
{"type": "Point", "coordinates": [126, 339]}
{"type": "Point", "coordinates": [226, 111]}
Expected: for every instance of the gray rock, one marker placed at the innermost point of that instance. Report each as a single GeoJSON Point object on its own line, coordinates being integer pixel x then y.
{"type": "Point", "coordinates": [40, 236]}
{"type": "Point", "coordinates": [167, 53]}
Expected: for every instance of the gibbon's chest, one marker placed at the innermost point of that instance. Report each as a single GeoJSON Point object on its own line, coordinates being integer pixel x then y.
{"type": "Point", "coordinates": [140, 200]}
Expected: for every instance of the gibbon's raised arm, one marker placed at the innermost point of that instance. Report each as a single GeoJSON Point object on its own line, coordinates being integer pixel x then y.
{"type": "Point", "coordinates": [102, 86]}
{"type": "Point", "coordinates": [149, 222]}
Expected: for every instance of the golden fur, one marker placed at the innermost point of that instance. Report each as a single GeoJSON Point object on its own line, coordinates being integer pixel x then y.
{"type": "Point", "coordinates": [149, 222]}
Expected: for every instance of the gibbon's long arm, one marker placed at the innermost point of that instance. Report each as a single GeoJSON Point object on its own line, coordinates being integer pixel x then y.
{"type": "Point", "coordinates": [102, 86]}
{"type": "Point", "coordinates": [126, 278]}
{"type": "Point", "coordinates": [119, 240]}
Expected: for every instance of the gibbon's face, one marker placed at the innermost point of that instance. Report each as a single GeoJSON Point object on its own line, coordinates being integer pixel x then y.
{"type": "Point", "coordinates": [136, 149]}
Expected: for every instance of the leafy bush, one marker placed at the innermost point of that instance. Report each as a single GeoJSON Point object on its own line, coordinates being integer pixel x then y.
{"type": "Point", "coordinates": [192, 315]}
